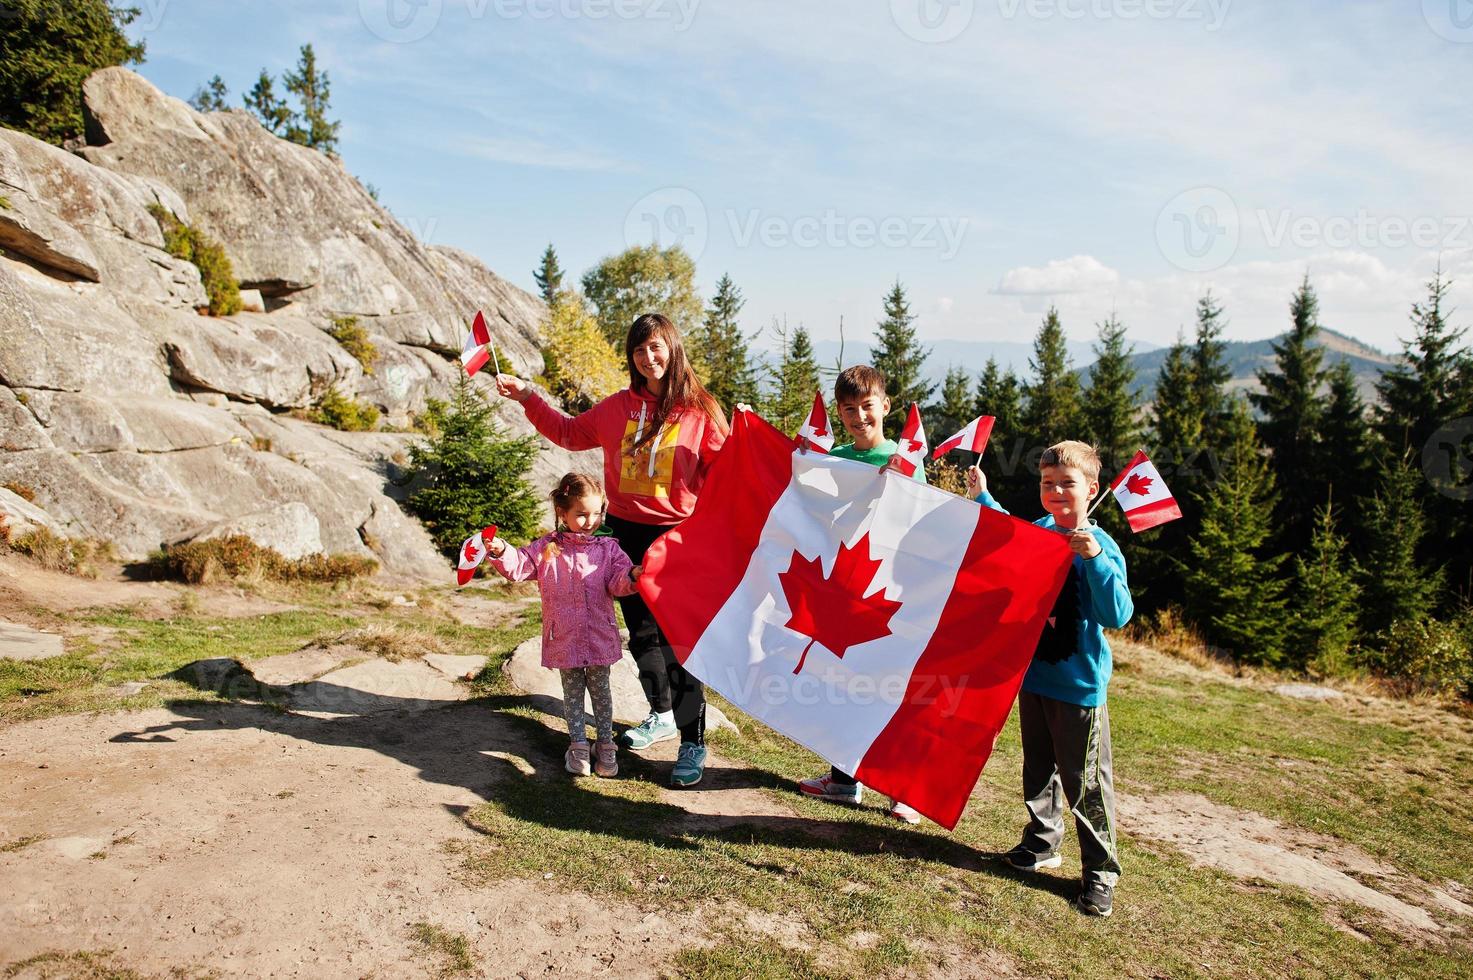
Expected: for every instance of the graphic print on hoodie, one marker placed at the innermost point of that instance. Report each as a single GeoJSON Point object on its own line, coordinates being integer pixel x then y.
{"type": "Point", "coordinates": [1060, 638]}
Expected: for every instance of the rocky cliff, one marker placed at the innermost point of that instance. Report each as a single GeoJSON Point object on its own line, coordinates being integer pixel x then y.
{"type": "Point", "coordinates": [138, 419]}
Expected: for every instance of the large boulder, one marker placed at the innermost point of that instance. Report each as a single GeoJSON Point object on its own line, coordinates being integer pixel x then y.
{"type": "Point", "coordinates": [139, 420]}
{"type": "Point", "coordinates": [291, 530]}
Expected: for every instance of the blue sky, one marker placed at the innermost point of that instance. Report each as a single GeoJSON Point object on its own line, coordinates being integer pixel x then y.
{"type": "Point", "coordinates": [997, 156]}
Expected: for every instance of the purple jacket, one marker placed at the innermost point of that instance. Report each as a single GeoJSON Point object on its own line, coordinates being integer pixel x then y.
{"type": "Point", "coordinates": [577, 585]}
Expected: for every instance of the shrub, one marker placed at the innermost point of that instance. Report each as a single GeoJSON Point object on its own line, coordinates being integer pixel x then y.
{"type": "Point", "coordinates": [354, 339]}
{"type": "Point", "coordinates": [948, 476]}
{"type": "Point", "coordinates": [189, 243]}
{"type": "Point", "coordinates": [1425, 654]}
{"type": "Point", "coordinates": [75, 556]}
{"type": "Point", "coordinates": [238, 557]}
{"type": "Point", "coordinates": [579, 365]}
{"type": "Point", "coordinates": [21, 490]}
{"type": "Point", "coordinates": [473, 473]}
{"type": "Point", "coordinates": [341, 412]}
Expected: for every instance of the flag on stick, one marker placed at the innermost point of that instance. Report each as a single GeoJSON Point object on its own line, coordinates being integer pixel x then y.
{"type": "Point", "coordinates": [473, 356]}
{"type": "Point", "coordinates": [912, 448]}
{"type": "Point", "coordinates": [1143, 495]}
{"type": "Point", "coordinates": [473, 552]}
{"type": "Point", "coordinates": [973, 438]}
{"type": "Point", "coordinates": [884, 624]}
{"type": "Point", "coordinates": [816, 430]}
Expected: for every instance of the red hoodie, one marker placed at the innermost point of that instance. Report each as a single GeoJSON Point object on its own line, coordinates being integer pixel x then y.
{"type": "Point", "coordinates": [656, 484]}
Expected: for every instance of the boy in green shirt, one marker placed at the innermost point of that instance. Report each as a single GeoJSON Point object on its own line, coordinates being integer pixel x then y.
{"type": "Point", "coordinates": [859, 392]}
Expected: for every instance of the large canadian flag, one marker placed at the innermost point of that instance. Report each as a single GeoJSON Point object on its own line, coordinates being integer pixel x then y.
{"type": "Point", "coordinates": [882, 623]}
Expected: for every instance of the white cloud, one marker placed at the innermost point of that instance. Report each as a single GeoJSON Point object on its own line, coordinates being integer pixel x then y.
{"type": "Point", "coordinates": [1077, 274]}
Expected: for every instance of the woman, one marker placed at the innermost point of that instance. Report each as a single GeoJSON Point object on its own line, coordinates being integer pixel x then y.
{"type": "Point", "coordinates": [659, 437]}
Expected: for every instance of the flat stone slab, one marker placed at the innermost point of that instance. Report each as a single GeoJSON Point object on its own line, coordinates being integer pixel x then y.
{"type": "Point", "coordinates": [525, 670]}
{"type": "Point", "coordinates": [1308, 692]}
{"type": "Point", "coordinates": [23, 643]}
{"type": "Point", "coordinates": [456, 667]}
{"type": "Point", "coordinates": [375, 686]}
{"type": "Point", "coordinates": [300, 667]}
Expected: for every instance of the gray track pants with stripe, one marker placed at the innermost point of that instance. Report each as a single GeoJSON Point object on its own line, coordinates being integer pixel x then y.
{"type": "Point", "coordinates": [1066, 757]}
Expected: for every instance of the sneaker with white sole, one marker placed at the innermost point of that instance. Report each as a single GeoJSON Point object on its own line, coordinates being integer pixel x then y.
{"type": "Point", "coordinates": [690, 765]}
{"type": "Point", "coordinates": [1096, 898]}
{"type": "Point", "coordinates": [825, 788]}
{"type": "Point", "coordinates": [905, 814]}
{"type": "Point", "coordinates": [576, 759]}
{"type": "Point", "coordinates": [648, 732]}
{"type": "Point", "coordinates": [1025, 860]}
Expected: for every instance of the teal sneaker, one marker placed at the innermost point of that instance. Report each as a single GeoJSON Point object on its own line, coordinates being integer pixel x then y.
{"type": "Point", "coordinates": [648, 732]}
{"type": "Point", "coordinates": [690, 765]}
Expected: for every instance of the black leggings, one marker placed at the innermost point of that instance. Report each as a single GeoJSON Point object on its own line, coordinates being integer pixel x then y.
{"type": "Point", "coordinates": [666, 683]}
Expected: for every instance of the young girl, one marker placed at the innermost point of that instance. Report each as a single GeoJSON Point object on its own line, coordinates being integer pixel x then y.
{"type": "Point", "coordinates": [659, 437]}
{"type": "Point", "coordinates": [578, 574]}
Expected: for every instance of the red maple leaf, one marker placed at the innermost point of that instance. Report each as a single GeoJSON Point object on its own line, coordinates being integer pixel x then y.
{"type": "Point", "coordinates": [833, 609]}
{"type": "Point", "coordinates": [471, 551]}
{"type": "Point", "coordinates": [1138, 485]}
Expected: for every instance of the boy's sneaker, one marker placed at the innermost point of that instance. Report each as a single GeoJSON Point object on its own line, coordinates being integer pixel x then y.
{"type": "Point", "coordinates": [1025, 860]}
{"type": "Point", "coordinates": [690, 765]}
{"type": "Point", "coordinates": [576, 759]}
{"type": "Point", "coordinates": [1095, 899]}
{"type": "Point", "coordinates": [605, 763]}
{"type": "Point", "coordinates": [824, 788]}
{"type": "Point", "coordinates": [648, 732]}
{"type": "Point", "coordinates": [899, 811]}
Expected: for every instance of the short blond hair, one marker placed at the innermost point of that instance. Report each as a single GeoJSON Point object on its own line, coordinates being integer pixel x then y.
{"type": "Point", "coordinates": [1075, 454]}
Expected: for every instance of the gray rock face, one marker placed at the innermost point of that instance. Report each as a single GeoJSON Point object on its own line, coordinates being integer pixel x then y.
{"type": "Point", "coordinates": [139, 420]}
{"type": "Point", "coordinates": [291, 530]}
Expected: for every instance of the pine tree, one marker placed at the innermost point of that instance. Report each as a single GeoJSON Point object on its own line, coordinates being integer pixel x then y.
{"type": "Point", "coordinates": [1000, 394]}
{"type": "Point", "coordinates": [1052, 411]}
{"type": "Point", "coordinates": [47, 50]}
{"type": "Point", "coordinates": [1233, 586]}
{"type": "Point", "coordinates": [954, 410]}
{"type": "Point", "coordinates": [1210, 375]}
{"type": "Point", "coordinates": [794, 380]}
{"type": "Point", "coordinates": [1176, 426]}
{"type": "Point", "coordinates": [311, 127]}
{"type": "Point", "coordinates": [211, 96]}
{"type": "Point", "coordinates": [549, 275]}
{"type": "Point", "coordinates": [472, 473]}
{"type": "Point", "coordinates": [898, 353]}
{"type": "Point", "coordinates": [1292, 413]}
{"type": "Point", "coordinates": [1326, 593]}
{"type": "Point", "coordinates": [1397, 586]}
{"type": "Point", "coordinates": [1344, 452]}
{"type": "Point", "coordinates": [262, 102]}
{"type": "Point", "coordinates": [1425, 389]}
{"type": "Point", "coordinates": [1111, 408]}
{"type": "Point", "coordinates": [723, 346]}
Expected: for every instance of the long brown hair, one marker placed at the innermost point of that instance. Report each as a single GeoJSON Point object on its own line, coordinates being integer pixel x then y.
{"type": "Point", "coordinates": [682, 388]}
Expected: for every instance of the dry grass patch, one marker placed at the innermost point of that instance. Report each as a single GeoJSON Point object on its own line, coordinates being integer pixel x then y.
{"type": "Point", "coordinates": [237, 557]}
{"type": "Point", "coordinates": [392, 642]}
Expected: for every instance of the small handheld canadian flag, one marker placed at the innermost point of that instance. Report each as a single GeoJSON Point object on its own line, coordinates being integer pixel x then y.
{"type": "Point", "coordinates": [973, 438]}
{"type": "Point", "coordinates": [477, 350]}
{"type": "Point", "coordinates": [912, 447]}
{"type": "Point", "coordinates": [815, 430]}
{"type": "Point", "coordinates": [473, 552]}
{"type": "Point", "coordinates": [1143, 495]}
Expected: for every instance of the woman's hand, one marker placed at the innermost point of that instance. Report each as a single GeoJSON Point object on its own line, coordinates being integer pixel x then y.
{"type": "Point", "coordinates": [511, 387]}
{"type": "Point", "coordinates": [976, 481]}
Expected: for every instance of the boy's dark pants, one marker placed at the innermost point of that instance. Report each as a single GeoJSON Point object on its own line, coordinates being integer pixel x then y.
{"type": "Point", "coordinates": [1066, 756]}
{"type": "Point", "coordinates": [667, 685]}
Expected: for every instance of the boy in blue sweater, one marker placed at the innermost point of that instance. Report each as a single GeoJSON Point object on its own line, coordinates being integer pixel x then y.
{"type": "Point", "coordinates": [1061, 709]}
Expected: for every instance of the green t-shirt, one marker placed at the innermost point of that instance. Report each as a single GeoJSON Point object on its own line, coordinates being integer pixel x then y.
{"type": "Point", "coordinates": [878, 456]}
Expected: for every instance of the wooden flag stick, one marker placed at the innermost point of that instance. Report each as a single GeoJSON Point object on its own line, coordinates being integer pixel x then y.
{"type": "Point", "coordinates": [494, 359]}
{"type": "Point", "coordinates": [1096, 505]}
